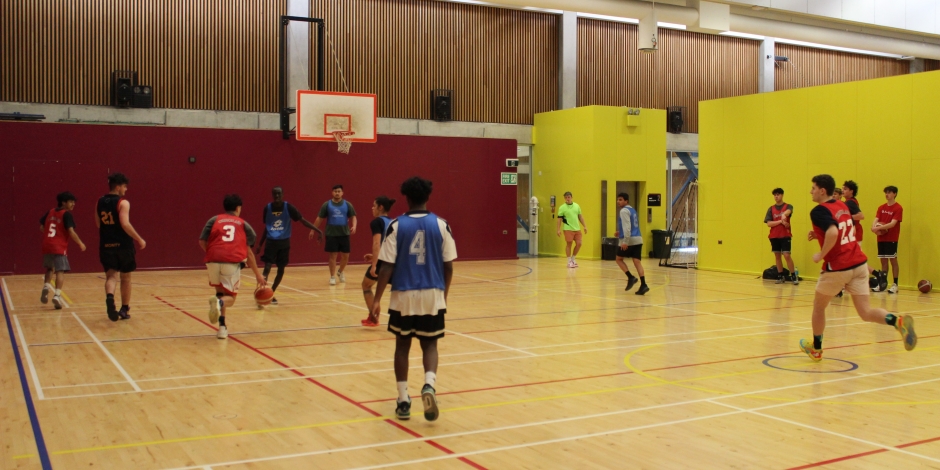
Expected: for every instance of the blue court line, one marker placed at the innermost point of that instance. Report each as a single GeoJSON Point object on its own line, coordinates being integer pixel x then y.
{"type": "Point", "coordinates": [33, 418]}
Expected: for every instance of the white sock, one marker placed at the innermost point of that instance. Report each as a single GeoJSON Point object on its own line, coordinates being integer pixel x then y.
{"type": "Point", "coordinates": [403, 392]}
{"type": "Point", "coordinates": [58, 292]}
{"type": "Point", "coordinates": [430, 378]}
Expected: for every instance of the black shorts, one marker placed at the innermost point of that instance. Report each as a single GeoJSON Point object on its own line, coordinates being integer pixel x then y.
{"type": "Point", "coordinates": [378, 266]}
{"type": "Point", "coordinates": [420, 326]}
{"type": "Point", "coordinates": [121, 259]}
{"type": "Point", "coordinates": [337, 244]}
{"type": "Point", "coordinates": [632, 251]}
{"type": "Point", "coordinates": [887, 250]}
{"type": "Point", "coordinates": [276, 252]}
{"type": "Point", "coordinates": [780, 245]}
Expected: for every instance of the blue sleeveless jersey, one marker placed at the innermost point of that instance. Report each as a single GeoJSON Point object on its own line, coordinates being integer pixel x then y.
{"type": "Point", "coordinates": [278, 227]}
{"type": "Point", "coordinates": [634, 222]}
{"type": "Point", "coordinates": [338, 215]}
{"type": "Point", "coordinates": [419, 263]}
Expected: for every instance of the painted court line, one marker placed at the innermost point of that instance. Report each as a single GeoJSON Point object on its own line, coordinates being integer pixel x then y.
{"type": "Point", "coordinates": [9, 299]}
{"type": "Point", "coordinates": [29, 359]}
{"type": "Point", "coordinates": [298, 290]}
{"type": "Point", "coordinates": [490, 342]}
{"type": "Point", "coordinates": [108, 353]}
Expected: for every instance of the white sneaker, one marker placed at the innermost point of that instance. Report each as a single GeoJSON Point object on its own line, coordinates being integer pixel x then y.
{"type": "Point", "coordinates": [332, 281]}
{"type": "Point", "coordinates": [341, 276]}
{"type": "Point", "coordinates": [222, 333]}
{"type": "Point", "coordinates": [44, 298]}
{"type": "Point", "coordinates": [215, 309]}
{"type": "Point", "coordinates": [891, 290]}
{"type": "Point", "coordinates": [574, 263]}
{"type": "Point", "coordinates": [57, 301]}
{"type": "Point", "coordinates": [570, 264]}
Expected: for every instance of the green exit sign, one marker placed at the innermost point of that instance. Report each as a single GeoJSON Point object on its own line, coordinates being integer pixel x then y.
{"type": "Point", "coordinates": [510, 179]}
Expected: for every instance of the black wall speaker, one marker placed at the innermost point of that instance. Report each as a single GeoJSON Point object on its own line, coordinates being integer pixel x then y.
{"type": "Point", "coordinates": [675, 119]}
{"type": "Point", "coordinates": [442, 105]}
{"type": "Point", "coordinates": [143, 96]}
{"type": "Point", "coordinates": [122, 87]}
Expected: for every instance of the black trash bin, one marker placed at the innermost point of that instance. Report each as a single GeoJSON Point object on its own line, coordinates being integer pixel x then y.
{"type": "Point", "coordinates": [662, 243]}
{"type": "Point", "coordinates": [609, 248]}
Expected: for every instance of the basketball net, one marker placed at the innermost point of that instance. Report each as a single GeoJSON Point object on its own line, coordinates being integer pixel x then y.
{"type": "Point", "coordinates": [342, 141]}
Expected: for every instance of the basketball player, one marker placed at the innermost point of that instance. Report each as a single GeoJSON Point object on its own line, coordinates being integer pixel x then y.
{"type": "Point", "coordinates": [379, 225]}
{"type": "Point", "coordinates": [843, 267]}
{"type": "Point", "coordinates": [277, 217]}
{"type": "Point", "coordinates": [569, 214]}
{"type": "Point", "coordinates": [417, 259]}
{"type": "Point", "coordinates": [116, 247]}
{"type": "Point", "coordinates": [57, 226]}
{"type": "Point", "coordinates": [631, 243]}
{"type": "Point", "coordinates": [338, 214]}
{"type": "Point", "coordinates": [778, 219]}
{"type": "Point", "coordinates": [888, 228]}
{"type": "Point", "coordinates": [837, 194]}
{"type": "Point", "coordinates": [227, 239]}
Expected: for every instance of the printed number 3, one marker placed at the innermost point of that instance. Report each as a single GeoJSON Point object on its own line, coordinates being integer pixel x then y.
{"type": "Point", "coordinates": [848, 232]}
{"type": "Point", "coordinates": [417, 247]}
{"type": "Point", "coordinates": [51, 230]}
{"type": "Point", "coordinates": [229, 233]}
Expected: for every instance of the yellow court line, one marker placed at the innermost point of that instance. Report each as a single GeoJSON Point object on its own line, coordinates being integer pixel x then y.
{"type": "Point", "coordinates": [68, 299]}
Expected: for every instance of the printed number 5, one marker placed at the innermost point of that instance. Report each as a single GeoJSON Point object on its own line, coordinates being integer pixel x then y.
{"type": "Point", "coordinates": [848, 232]}
{"type": "Point", "coordinates": [229, 233]}
{"type": "Point", "coordinates": [417, 247]}
{"type": "Point", "coordinates": [51, 230]}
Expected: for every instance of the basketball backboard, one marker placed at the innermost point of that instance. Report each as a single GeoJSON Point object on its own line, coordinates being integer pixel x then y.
{"type": "Point", "coordinates": [321, 113]}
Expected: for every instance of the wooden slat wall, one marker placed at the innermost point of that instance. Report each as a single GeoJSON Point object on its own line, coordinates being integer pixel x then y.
{"type": "Point", "coordinates": [502, 64]}
{"type": "Point", "coordinates": [689, 67]}
{"type": "Point", "coordinates": [808, 66]}
{"type": "Point", "coordinates": [207, 54]}
{"type": "Point", "coordinates": [931, 64]}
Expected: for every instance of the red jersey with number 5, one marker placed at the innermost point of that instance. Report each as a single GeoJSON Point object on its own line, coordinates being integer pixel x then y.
{"type": "Point", "coordinates": [228, 241]}
{"type": "Point", "coordinates": [56, 241]}
{"type": "Point", "coordinates": [846, 253]}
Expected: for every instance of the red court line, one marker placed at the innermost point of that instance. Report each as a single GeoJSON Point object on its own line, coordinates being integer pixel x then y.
{"type": "Point", "coordinates": [328, 389]}
{"type": "Point", "coordinates": [324, 344]}
{"type": "Point", "coordinates": [863, 454]}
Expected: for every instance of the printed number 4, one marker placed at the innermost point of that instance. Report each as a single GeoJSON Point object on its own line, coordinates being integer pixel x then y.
{"type": "Point", "coordinates": [229, 233]}
{"type": "Point", "coordinates": [848, 232]}
{"type": "Point", "coordinates": [417, 247]}
{"type": "Point", "coordinates": [51, 230]}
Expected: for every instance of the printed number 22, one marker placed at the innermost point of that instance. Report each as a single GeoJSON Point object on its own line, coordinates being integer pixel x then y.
{"type": "Point", "coordinates": [417, 247]}
{"type": "Point", "coordinates": [848, 232]}
{"type": "Point", "coordinates": [229, 233]}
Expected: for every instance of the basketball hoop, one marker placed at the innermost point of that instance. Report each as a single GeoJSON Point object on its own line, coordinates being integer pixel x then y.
{"type": "Point", "coordinates": [342, 141]}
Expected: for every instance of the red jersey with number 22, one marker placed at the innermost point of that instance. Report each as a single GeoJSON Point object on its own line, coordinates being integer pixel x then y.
{"type": "Point", "coordinates": [56, 241]}
{"type": "Point", "coordinates": [846, 254]}
{"type": "Point", "coordinates": [228, 242]}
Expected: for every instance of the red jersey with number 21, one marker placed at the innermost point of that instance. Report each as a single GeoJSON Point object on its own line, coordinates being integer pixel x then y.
{"type": "Point", "coordinates": [846, 254]}
{"type": "Point", "coordinates": [228, 242]}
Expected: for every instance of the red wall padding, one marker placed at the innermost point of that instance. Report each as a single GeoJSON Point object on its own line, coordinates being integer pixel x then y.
{"type": "Point", "coordinates": [171, 199]}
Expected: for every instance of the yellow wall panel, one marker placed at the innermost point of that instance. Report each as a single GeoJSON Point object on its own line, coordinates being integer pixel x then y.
{"type": "Point", "coordinates": [926, 115]}
{"type": "Point", "coordinates": [832, 126]}
{"type": "Point", "coordinates": [745, 139]}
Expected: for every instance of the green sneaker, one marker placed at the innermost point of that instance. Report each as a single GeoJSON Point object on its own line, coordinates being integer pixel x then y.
{"type": "Point", "coordinates": [403, 410]}
{"type": "Point", "coordinates": [905, 326]}
{"type": "Point", "coordinates": [430, 403]}
{"type": "Point", "coordinates": [813, 353]}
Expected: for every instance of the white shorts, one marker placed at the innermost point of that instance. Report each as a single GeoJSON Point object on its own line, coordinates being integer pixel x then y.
{"type": "Point", "coordinates": [228, 276]}
{"type": "Point", "coordinates": [417, 302]}
{"type": "Point", "coordinates": [854, 281]}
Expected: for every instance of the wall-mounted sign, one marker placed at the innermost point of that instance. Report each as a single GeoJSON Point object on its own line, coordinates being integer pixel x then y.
{"type": "Point", "coordinates": [509, 179]}
{"type": "Point", "coordinates": [654, 200]}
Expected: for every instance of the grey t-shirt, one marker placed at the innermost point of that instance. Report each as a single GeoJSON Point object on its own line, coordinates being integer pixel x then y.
{"type": "Point", "coordinates": [627, 223]}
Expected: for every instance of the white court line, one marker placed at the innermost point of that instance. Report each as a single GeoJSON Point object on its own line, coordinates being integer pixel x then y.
{"type": "Point", "coordinates": [29, 359]}
{"type": "Point", "coordinates": [578, 418]}
{"type": "Point", "coordinates": [826, 431]}
{"type": "Point", "coordinates": [298, 290]}
{"type": "Point", "coordinates": [490, 342]}
{"type": "Point", "coordinates": [108, 353]}
{"type": "Point", "coordinates": [9, 298]}
{"type": "Point", "coordinates": [360, 307]}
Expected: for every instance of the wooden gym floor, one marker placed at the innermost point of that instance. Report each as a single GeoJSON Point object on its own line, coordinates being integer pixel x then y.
{"type": "Point", "coordinates": [542, 367]}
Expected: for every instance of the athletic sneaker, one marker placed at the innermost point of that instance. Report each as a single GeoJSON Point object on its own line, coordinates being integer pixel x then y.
{"type": "Point", "coordinates": [893, 289]}
{"type": "Point", "coordinates": [112, 312]}
{"type": "Point", "coordinates": [222, 333]}
{"type": "Point", "coordinates": [403, 410]}
{"type": "Point", "coordinates": [632, 282]}
{"type": "Point", "coordinates": [341, 276]}
{"type": "Point", "coordinates": [780, 280]}
{"type": "Point", "coordinates": [332, 281]}
{"type": "Point", "coordinates": [813, 353]}
{"type": "Point", "coordinates": [796, 280]}
{"type": "Point", "coordinates": [877, 288]}
{"type": "Point", "coordinates": [883, 282]}
{"type": "Point", "coordinates": [369, 322]}
{"type": "Point", "coordinates": [44, 297]}
{"type": "Point", "coordinates": [124, 313]}
{"type": "Point", "coordinates": [430, 403]}
{"type": "Point", "coordinates": [643, 289]}
{"type": "Point", "coordinates": [215, 309]}
{"type": "Point", "coordinates": [905, 326]}
{"type": "Point", "coordinates": [57, 301]}
{"type": "Point", "coordinates": [273, 300]}
{"type": "Point", "coordinates": [574, 264]}
{"type": "Point", "coordinates": [570, 264]}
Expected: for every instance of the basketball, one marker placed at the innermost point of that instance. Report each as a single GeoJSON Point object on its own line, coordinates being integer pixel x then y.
{"type": "Point", "coordinates": [264, 296]}
{"type": "Point", "coordinates": [924, 286]}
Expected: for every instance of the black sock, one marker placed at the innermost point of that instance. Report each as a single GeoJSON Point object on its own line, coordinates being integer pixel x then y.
{"type": "Point", "coordinates": [895, 280]}
{"type": "Point", "coordinates": [125, 307]}
{"type": "Point", "coordinates": [222, 320]}
{"type": "Point", "coordinates": [891, 319]}
{"type": "Point", "coordinates": [629, 274]}
{"type": "Point", "coordinates": [110, 297]}
{"type": "Point", "coordinates": [817, 342]}
{"type": "Point", "coordinates": [642, 280]}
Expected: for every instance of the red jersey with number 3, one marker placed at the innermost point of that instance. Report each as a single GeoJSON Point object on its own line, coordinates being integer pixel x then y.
{"type": "Point", "coordinates": [228, 242]}
{"type": "Point", "coordinates": [56, 241]}
{"type": "Point", "coordinates": [846, 253]}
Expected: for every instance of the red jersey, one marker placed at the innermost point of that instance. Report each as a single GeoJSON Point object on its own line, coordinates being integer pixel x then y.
{"type": "Point", "coordinates": [846, 254]}
{"type": "Point", "coordinates": [56, 230]}
{"type": "Point", "coordinates": [859, 234]}
{"type": "Point", "coordinates": [885, 215]}
{"type": "Point", "coordinates": [227, 240]}
{"type": "Point", "coordinates": [775, 214]}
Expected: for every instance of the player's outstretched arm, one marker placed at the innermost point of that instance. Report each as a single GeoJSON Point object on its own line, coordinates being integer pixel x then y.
{"type": "Point", "coordinates": [448, 276]}
{"type": "Point", "coordinates": [74, 237]}
{"type": "Point", "coordinates": [385, 274]}
{"type": "Point", "coordinates": [124, 216]}
{"type": "Point", "coordinates": [254, 267]}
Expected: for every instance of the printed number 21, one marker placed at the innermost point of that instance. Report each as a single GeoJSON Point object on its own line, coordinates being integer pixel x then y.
{"type": "Point", "coordinates": [417, 247]}
{"type": "Point", "coordinates": [848, 232]}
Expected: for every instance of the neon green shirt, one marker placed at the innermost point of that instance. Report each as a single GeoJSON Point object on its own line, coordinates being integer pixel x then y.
{"type": "Point", "coordinates": [568, 213]}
